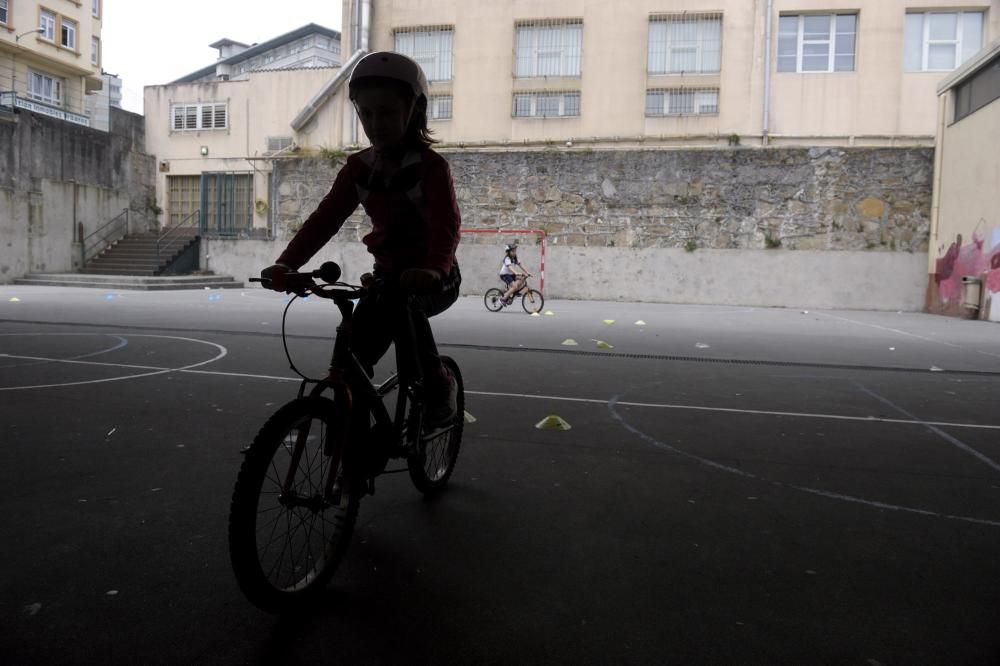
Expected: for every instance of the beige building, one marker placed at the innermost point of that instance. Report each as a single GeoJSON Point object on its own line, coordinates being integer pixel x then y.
{"type": "Point", "coordinates": [643, 72]}
{"type": "Point", "coordinates": [216, 131]}
{"type": "Point", "coordinates": [964, 268]}
{"type": "Point", "coordinates": [578, 74]}
{"type": "Point", "coordinates": [50, 56]}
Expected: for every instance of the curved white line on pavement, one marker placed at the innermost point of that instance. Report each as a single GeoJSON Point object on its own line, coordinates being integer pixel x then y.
{"type": "Point", "coordinates": [222, 353]}
{"type": "Point", "coordinates": [122, 342]}
{"type": "Point", "coordinates": [812, 491]}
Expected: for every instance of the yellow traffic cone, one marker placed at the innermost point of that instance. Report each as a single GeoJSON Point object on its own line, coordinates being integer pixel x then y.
{"type": "Point", "coordinates": [552, 422]}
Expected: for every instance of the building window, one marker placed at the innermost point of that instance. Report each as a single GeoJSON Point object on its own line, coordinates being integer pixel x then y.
{"type": "Point", "coordinates": [432, 48]}
{"type": "Point", "coordinates": [47, 22]}
{"type": "Point", "coordinates": [45, 88]}
{"type": "Point", "coordinates": [549, 49]}
{"type": "Point", "coordinates": [95, 8]}
{"type": "Point", "coordinates": [439, 107]}
{"type": "Point", "coordinates": [4, 12]}
{"type": "Point", "coordinates": [68, 33]}
{"type": "Point", "coordinates": [817, 42]}
{"type": "Point", "coordinates": [546, 104]}
{"type": "Point", "coordinates": [188, 117]}
{"type": "Point", "coordinates": [941, 41]}
{"type": "Point", "coordinates": [95, 51]}
{"type": "Point", "coordinates": [689, 43]}
{"type": "Point", "coordinates": [977, 91]}
{"type": "Point", "coordinates": [682, 102]}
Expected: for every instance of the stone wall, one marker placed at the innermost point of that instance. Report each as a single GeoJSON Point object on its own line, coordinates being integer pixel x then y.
{"type": "Point", "coordinates": [821, 227]}
{"type": "Point", "coordinates": [740, 198]}
{"type": "Point", "coordinates": [56, 177]}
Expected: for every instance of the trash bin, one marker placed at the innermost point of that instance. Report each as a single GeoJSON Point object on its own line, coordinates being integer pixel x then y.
{"type": "Point", "coordinates": [972, 291]}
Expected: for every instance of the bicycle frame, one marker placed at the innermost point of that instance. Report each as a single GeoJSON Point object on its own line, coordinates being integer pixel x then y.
{"type": "Point", "coordinates": [349, 382]}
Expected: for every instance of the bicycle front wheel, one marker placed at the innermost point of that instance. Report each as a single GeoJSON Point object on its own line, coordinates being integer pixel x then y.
{"type": "Point", "coordinates": [493, 299]}
{"type": "Point", "coordinates": [433, 459]}
{"type": "Point", "coordinates": [293, 508]}
{"type": "Point", "coordinates": [532, 301]}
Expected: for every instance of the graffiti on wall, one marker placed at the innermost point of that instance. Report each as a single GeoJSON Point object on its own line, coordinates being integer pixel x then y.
{"type": "Point", "coordinates": [981, 256]}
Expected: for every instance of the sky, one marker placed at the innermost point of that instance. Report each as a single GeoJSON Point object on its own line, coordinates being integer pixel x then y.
{"type": "Point", "coordinates": [150, 43]}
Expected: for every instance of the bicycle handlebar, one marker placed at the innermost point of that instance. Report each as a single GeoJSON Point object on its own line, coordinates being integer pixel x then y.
{"type": "Point", "coordinates": [302, 284]}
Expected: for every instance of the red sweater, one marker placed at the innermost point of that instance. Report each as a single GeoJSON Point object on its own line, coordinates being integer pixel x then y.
{"type": "Point", "coordinates": [415, 217]}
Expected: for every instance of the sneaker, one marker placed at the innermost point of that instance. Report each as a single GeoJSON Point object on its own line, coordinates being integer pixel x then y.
{"type": "Point", "coordinates": [442, 411]}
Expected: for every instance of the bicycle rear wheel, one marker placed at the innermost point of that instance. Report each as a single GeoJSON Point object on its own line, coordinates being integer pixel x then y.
{"type": "Point", "coordinates": [493, 299]}
{"type": "Point", "coordinates": [532, 301]}
{"type": "Point", "coordinates": [289, 527]}
{"type": "Point", "coordinates": [433, 459]}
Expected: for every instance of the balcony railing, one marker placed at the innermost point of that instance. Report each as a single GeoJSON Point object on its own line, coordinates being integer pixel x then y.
{"type": "Point", "coordinates": [11, 100]}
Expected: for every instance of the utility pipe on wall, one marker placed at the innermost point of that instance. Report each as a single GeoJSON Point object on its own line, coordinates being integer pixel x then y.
{"type": "Point", "coordinates": [766, 124]}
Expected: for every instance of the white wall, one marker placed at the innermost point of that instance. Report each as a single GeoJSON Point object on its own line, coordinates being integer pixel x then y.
{"type": "Point", "coordinates": [762, 278]}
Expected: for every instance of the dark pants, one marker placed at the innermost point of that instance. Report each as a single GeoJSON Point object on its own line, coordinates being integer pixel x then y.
{"type": "Point", "coordinates": [380, 320]}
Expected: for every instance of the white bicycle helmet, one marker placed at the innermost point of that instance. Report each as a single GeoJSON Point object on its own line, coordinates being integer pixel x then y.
{"type": "Point", "coordinates": [390, 65]}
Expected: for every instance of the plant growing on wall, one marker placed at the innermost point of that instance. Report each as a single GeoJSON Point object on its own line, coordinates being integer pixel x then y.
{"type": "Point", "coordinates": [153, 207]}
{"type": "Point", "coordinates": [691, 245]}
{"type": "Point", "coordinates": [771, 242]}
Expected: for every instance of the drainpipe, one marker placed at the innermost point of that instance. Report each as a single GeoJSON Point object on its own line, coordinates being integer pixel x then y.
{"type": "Point", "coordinates": [766, 125]}
{"type": "Point", "coordinates": [362, 32]}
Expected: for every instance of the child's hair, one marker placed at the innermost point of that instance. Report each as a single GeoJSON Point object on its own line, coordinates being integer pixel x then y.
{"type": "Point", "coordinates": [417, 132]}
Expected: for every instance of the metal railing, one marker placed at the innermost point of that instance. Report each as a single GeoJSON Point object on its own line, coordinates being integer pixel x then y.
{"type": "Point", "coordinates": [170, 238]}
{"type": "Point", "coordinates": [103, 237]}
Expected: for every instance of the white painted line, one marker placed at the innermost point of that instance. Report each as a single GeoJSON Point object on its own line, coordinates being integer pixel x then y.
{"type": "Point", "coordinates": [957, 443]}
{"type": "Point", "coordinates": [891, 330]}
{"type": "Point", "coordinates": [762, 412]}
{"type": "Point", "coordinates": [156, 371]}
{"type": "Point", "coordinates": [813, 491]}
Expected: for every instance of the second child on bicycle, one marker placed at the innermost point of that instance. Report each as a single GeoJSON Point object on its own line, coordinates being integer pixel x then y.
{"type": "Point", "coordinates": [406, 189]}
{"type": "Point", "coordinates": [511, 272]}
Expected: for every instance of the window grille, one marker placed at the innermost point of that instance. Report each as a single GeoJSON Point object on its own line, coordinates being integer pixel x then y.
{"type": "Point", "coordinates": [549, 48]}
{"type": "Point", "coordinates": [546, 104]}
{"type": "Point", "coordinates": [189, 117]}
{"type": "Point", "coordinates": [941, 41]}
{"type": "Point", "coordinates": [278, 143]}
{"type": "Point", "coordinates": [685, 44]}
{"type": "Point", "coordinates": [439, 107]}
{"type": "Point", "coordinates": [682, 102]}
{"type": "Point", "coordinates": [432, 47]}
{"type": "Point", "coordinates": [817, 42]}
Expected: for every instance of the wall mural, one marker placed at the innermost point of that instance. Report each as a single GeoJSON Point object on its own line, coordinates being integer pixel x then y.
{"type": "Point", "coordinates": [975, 258]}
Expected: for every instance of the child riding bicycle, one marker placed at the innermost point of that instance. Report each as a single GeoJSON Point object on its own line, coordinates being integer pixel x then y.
{"type": "Point", "coordinates": [512, 273]}
{"type": "Point", "coordinates": [407, 190]}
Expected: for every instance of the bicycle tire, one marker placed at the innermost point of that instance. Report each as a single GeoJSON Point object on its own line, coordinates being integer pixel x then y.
{"type": "Point", "coordinates": [432, 461]}
{"type": "Point", "coordinates": [275, 569]}
{"type": "Point", "coordinates": [493, 299]}
{"type": "Point", "coordinates": [529, 306]}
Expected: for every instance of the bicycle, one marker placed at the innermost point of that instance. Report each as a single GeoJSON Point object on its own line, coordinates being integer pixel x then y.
{"type": "Point", "coordinates": [296, 499]}
{"type": "Point", "coordinates": [531, 299]}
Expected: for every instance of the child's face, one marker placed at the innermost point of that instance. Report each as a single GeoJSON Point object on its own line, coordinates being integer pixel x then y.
{"type": "Point", "coordinates": [384, 115]}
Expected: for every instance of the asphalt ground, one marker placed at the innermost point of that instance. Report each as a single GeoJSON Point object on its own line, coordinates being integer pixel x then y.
{"type": "Point", "coordinates": [739, 486]}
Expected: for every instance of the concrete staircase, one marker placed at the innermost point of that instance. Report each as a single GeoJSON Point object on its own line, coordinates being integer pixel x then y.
{"type": "Point", "coordinates": [134, 282]}
{"type": "Point", "coordinates": [136, 255]}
